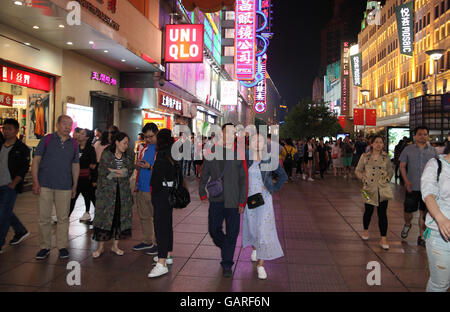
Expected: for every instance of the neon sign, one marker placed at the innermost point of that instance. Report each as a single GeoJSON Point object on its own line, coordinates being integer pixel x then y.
{"type": "Point", "coordinates": [104, 78]}
{"type": "Point", "coordinates": [260, 92]}
{"type": "Point", "coordinates": [245, 39]}
{"type": "Point", "coordinates": [345, 77]}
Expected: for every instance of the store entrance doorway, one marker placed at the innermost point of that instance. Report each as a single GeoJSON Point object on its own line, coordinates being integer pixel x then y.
{"type": "Point", "coordinates": [103, 111]}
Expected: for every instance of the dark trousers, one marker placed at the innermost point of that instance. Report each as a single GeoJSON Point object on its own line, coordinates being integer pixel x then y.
{"type": "Point", "coordinates": [288, 166]}
{"type": "Point", "coordinates": [163, 223]}
{"type": "Point", "coordinates": [226, 242]}
{"type": "Point", "coordinates": [187, 167]}
{"type": "Point", "coordinates": [7, 217]}
{"type": "Point", "coordinates": [299, 166]}
{"type": "Point", "coordinates": [323, 167]}
{"type": "Point", "coordinates": [382, 216]}
{"type": "Point", "coordinates": [85, 188]}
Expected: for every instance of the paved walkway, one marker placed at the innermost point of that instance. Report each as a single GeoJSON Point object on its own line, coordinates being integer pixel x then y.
{"type": "Point", "coordinates": [319, 225]}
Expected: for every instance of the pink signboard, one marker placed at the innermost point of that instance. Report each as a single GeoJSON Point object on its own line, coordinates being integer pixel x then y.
{"type": "Point", "coordinates": [260, 92]}
{"type": "Point", "coordinates": [244, 62]}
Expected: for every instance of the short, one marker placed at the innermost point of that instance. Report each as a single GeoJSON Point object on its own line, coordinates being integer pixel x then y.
{"type": "Point", "coordinates": [347, 161]}
{"type": "Point", "coordinates": [414, 202]}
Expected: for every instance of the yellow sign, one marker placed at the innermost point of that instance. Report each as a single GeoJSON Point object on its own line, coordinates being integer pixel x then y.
{"type": "Point", "coordinates": [160, 122]}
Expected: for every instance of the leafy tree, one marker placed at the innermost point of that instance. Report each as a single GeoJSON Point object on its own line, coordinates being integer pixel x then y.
{"type": "Point", "coordinates": [307, 119]}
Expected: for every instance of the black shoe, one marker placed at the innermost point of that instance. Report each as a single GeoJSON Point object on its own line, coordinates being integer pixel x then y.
{"type": "Point", "coordinates": [18, 238]}
{"type": "Point", "coordinates": [63, 253]}
{"type": "Point", "coordinates": [227, 272]}
{"type": "Point", "coordinates": [42, 254]}
{"type": "Point", "coordinates": [421, 242]}
{"type": "Point", "coordinates": [152, 251]}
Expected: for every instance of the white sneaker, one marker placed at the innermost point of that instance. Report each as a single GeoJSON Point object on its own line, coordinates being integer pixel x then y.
{"type": "Point", "coordinates": [86, 217]}
{"type": "Point", "coordinates": [168, 260]}
{"type": "Point", "coordinates": [158, 270]}
{"type": "Point", "coordinates": [311, 179]}
{"type": "Point", "coordinates": [304, 177]}
{"type": "Point", "coordinates": [253, 257]}
{"type": "Point", "coordinates": [261, 272]}
{"type": "Point", "coordinates": [54, 220]}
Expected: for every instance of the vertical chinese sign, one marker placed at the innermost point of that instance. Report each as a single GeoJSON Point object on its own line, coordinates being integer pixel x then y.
{"type": "Point", "coordinates": [244, 63]}
{"type": "Point", "coordinates": [405, 26]}
{"type": "Point", "coordinates": [260, 91]}
{"type": "Point", "coordinates": [345, 75]}
{"type": "Point", "coordinates": [356, 69]}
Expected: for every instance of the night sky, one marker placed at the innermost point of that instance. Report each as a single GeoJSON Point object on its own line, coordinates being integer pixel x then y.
{"type": "Point", "coordinates": [294, 52]}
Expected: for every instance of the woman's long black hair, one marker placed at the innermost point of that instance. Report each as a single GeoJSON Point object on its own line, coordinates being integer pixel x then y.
{"type": "Point", "coordinates": [164, 140]}
{"type": "Point", "coordinates": [117, 137]}
{"type": "Point", "coordinates": [104, 138]}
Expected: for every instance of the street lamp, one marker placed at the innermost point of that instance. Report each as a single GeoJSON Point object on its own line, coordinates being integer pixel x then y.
{"type": "Point", "coordinates": [435, 55]}
{"type": "Point", "coordinates": [365, 94]}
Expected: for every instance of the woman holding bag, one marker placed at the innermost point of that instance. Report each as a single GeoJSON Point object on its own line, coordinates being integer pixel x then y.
{"type": "Point", "coordinates": [259, 227]}
{"type": "Point", "coordinates": [375, 170]}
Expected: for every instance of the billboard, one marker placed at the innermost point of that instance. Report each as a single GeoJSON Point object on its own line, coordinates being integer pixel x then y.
{"type": "Point", "coordinates": [394, 135]}
{"type": "Point", "coordinates": [333, 74]}
{"type": "Point", "coordinates": [260, 106]}
{"type": "Point", "coordinates": [405, 27]}
{"type": "Point", "coordinates": [184, 43]}
{"type": "Point", "coordinates": [82, 116]}
{"type": "Point", "coordinates": [245, 39]}
{"type": "Point", "coordinates": [345, 78]}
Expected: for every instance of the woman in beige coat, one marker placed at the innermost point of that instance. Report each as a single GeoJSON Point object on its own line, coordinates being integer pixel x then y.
{"type": "Point", "coordinates": [375, 170]}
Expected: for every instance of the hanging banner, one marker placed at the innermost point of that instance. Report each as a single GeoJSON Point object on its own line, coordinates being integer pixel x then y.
{"type": "Point", "coordinates": [184, 43]}
{"type": "Point", "coordinates": [228, 92]}
{"type": "Point", "coordinates": [405, 26]}
{"type": "Point", "coordinates": [260, 91]}
{"type": "Point", "coordinates": [358, 116]}
{"type": "Point", "coordinates": [371, 117]}
{"type": "Point", "coordinates": [245, 26]}
{"type": "Point", "coordinates": [6, 99]}
{"type": "Point", "coordinates": [341, 120]}
{"type": "Point", "coordinates": [356, 69]}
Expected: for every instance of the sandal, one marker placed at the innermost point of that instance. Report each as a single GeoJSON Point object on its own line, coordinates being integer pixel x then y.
{"type": "Point", "coordinates": [97, 254]}
{"type": "Point", "coordinates": [117, 252]}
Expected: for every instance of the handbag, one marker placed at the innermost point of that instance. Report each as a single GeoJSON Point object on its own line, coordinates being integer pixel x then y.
{"type": "Point", "coordinates": [179, 196]}
{"type": "Point", "coordinates": [255, 201]}
{"type": "Point", "coordinates": [215, 187]}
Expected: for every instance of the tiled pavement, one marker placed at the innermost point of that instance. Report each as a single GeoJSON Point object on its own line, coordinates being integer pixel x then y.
{"type": "Point", "coordinates": [319, 225]}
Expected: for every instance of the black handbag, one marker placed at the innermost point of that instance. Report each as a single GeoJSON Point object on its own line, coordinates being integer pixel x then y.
{"type": "Point", "coordinates": [255, 201]}
{"type": "Point", "coordinates": [179, 196]}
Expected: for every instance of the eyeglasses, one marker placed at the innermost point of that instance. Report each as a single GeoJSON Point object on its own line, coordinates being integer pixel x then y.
{"type": "Point", "coordinates": [149, 136]}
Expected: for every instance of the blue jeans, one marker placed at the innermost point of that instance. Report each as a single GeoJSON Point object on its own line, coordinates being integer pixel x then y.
{"type": "Point", "coordinates": [438, 251]}
{"type": "Point", "coordinates": [7, 217]}
{"type": "Point", "coordinates": [226, 242]}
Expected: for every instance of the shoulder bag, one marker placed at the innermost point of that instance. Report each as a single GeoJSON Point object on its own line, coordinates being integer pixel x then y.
{"type": "Point", "coordinates": [215, 187]}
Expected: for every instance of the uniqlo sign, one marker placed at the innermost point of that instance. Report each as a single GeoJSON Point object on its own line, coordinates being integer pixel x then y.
{"type": "Point", "coordinates": [184, 43]}
{"type": "Point", "coordinates": [6, 99]}
{"type": "Point", "coordinates": [260, 92]}
{"type": "Point", "coordinates": [245, 36]}
{"type": "Point", "coordinates": [25, 79]}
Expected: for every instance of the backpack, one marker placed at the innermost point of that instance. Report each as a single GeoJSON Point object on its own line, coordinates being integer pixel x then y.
{"type": "Point", "coordinates": [48, 138]}
{"type": "Point", "coordinates": [289, 158]}
{"type": "Point", "coordinates": [179, 196]}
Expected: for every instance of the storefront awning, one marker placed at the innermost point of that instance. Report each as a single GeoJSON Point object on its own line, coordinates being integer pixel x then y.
{"type": "Point", "coordinates": [84, 39]}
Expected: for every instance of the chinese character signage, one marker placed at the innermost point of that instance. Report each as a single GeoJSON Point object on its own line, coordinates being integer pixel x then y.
{"type": "Point", "coordinates": [6, 99]}
{"type": "Point", "coordinates": [245, 40]}
{"type": "Point", "coordinates": [228, 92]}
{"type": "Point", "coordinates": [25, 79]}
{"type": "Point", "coordinates": [345, 78]}
{"type": "Point", "coordinates": [260, 92]}
{"type": "Point", "coordinates": [405, 26]}
{"type": "Point", "coordinates": [104, 78]}
{"type": "Point", "coordinates": [356, 69]}
{"type": "Point", "coordinates": [170, 103]}
{"type": "Point", "coordinates": [184, 43]}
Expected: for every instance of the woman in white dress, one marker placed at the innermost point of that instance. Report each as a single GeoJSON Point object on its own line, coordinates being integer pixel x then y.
{"type": "Point", "coordinates": [259, 227]}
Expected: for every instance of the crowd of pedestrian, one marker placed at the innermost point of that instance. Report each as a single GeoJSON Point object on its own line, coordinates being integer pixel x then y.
{"type": "Point", "coordinates": [100, 165]}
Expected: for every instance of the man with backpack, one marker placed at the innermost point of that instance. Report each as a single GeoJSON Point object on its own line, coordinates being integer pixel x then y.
{"type": "Point", "coordinates": [55, 172]}
{"type": "Point", "coordinates": [287, 154]}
